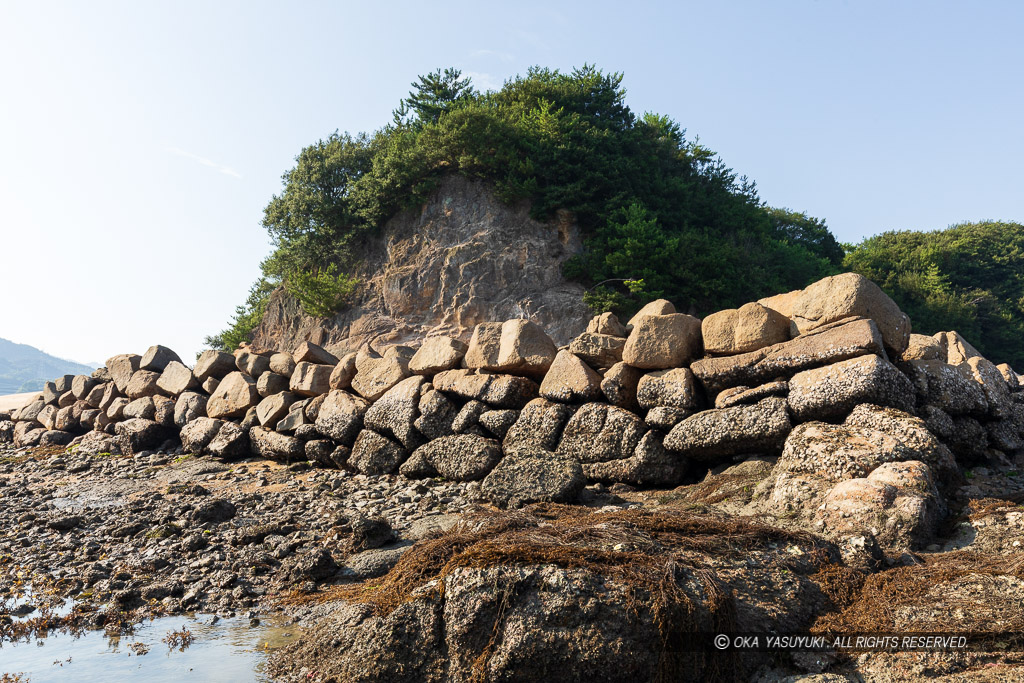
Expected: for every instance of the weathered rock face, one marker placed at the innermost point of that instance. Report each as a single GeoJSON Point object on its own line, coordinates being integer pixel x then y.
{"type": "Point", "coordinates": [462, 259]}
{"type": "Point", "coordinates": [748, 328]}
{"type": "Point", "coordinates": [841, 296]}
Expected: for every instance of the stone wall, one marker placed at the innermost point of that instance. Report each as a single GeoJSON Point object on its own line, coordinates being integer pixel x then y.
{"type": "Point", "coordinates": [828, 382]}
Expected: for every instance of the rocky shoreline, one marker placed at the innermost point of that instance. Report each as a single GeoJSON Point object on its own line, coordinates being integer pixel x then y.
{"type": "Point", "coordinates": [166, 533]}
{"type": "Point", "coordinates": [507, 509]}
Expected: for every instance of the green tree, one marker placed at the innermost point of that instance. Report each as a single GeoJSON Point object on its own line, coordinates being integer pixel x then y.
{"type": "Point", "coordinates": [312, 219]}
{"type": "Point", "coordinates": [653, 205]}
{"type": "Point", "coordinates": [434, 94]}
{"type": "Point", "coordinates": [968, 278]}
{"type": "Point", "coordinates": [245, 319]}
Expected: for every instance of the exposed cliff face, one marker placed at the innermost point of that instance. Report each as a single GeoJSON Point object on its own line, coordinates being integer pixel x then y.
{"type": "Point", "coordinates": [463, 259]}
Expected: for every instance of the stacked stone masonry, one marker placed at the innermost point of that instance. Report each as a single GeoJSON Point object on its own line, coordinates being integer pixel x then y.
{"type": "Point", "coordinates": [827, 382]}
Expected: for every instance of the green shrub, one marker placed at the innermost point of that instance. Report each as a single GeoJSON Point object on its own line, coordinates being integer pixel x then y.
{"type": "Point", "coordinates": [321, 292]}
{"type": "Point", "coordinates": [245, 319]}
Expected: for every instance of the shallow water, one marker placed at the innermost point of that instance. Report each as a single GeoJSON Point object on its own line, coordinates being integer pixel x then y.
{"type": "Point", "coordinates": [230, 650]}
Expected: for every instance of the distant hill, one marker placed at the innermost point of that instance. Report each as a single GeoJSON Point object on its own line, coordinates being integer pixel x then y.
{"type": "Point", "coordinates": [25, 368]}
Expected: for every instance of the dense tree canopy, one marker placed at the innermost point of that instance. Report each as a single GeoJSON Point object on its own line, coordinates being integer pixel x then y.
{"type": "Point", "coordinates": [968, 278]}
{"type": "Point", "coordinates": [660, 213]}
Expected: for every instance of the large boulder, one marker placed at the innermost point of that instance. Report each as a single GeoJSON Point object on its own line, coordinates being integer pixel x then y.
{"type": "Point", "coordinates": [467, 420]}
{"type": "Point", "coordinates": [282, 363]}
{"type": "Point", "coordinates": [344, 372]}
{"type": "Point", "coordinates": [235, 394]}
{"type": "Point", "coordinates": [50, 393]}
{"type": "Point", "coordinates": [851, 294]}
{"type": "Point", "coordinates": [231, 441]}
{"type": "Point", "coordinates": [137, 435]}
{"type": "Point", "coordinates": [503, 391]}
{"type": "Point", "coordinates": [955, 348]}
{"type": "Point", "coordinates": [498, 422]}
{"type": "Point", "coordinates": [30, 411]}
{"type": "Point", "coordinates": [829, 344]}
{"type": "Point", "coordinates": [376, 454]}
{"type": "Point", "coordinates": [376, 374]}
{"type": "Point", "coordinates": [531, 475]}
{"type": "Point", "coordinates": [163, 410]}
{"type": "Point", "coordinates": [663, 341]}
{"type": "Point", "coordinates": [520, 598]}
{"type": "Point", "coordinates": [140, 407]}
{"type": "Point", "coordinates": [212, 363]}
{"type": "Point", "coordinates": [274, 446]}
{"type": "Point", "coordinates": [308, 352]}
{"type": "Point", "coordinates": [656, 307]}
{"type": "Point", "coordinates": [607, 323]}
{"type": "Point", "coordinates": [460, 457]}
{"type": "Point", "coordinates": [55, 437]}
{"type": "Point", "coordinates": [157, 357]}
{"type": "Point", "coordinates": [252, 364]}
{"type": "Point", "coordinates": [951, 388]}
{"type": "Point", "coordinates": [27, 434]}
{"type": "Point", "coordinates": [81, 385]}
{"type": "Point", "coordinates": [915, 434]}
{"type": "Point", "coordinates": [524, 349]}
{"type": "Point", "coordinates": [273, 409]}
{"type": "Point", "coordinates": [673, 388]}
{"type": "Point", "coordinates": [121, 368]}
{"type": "Point", "coordinates": [64, 382]}
{"type": "Point", "coordinates": [923, 347]}
{"type": "Point", "coordinates": [598, 350]}
{"type": "Point", "coordinates": [110, 392]}
{"type": "Point", "coordinates": [341, 416]}
{"type": "Point", "coordinates": [747, 328]}
{"type": "Point", "coordinates": [270, 383]}
{"type": "Point", "coordinates": [176, 379]}
{"type": "Point", "coordinates": [837, 452]}
{"type": "Point", "coordinates": [997, 391]}
{"type": "Point", "coordinates": [539, 426]}
{"type": "Point", "coordinates": [437, 413]}
{"type": "Point", "coordinates": [897, 504]}
{"type": "Point", "coordinates": [115, 411]}
{"type": "Point", "coordinates": [395, 412]}
{"type": "Point", "coordinates": [484, 347]}
{"type": "Point", "coordinates": [95, 396]}
{"type": "Point", "coordinates": [599, 432]}
{"type": "Point", "coordinates": [570, 380]}
{"type": "Point", "coordinates": [143, 383]}
{"type": "Point", "coordinates": [834, 390]}
{"type": "Point", "coordinates": [619, 385]}
{"type": "Point", "coordinates": [712, 435]}
{"type": "Point", "coordinates": [295, 418]}
{"type": "Point", "coordinates": [197, 434]}
{"type": "Point", "coordinates": [651, 464]}
{"type": "Point", "coordinates": [310, 379]}
{"type": "Point", "coordinates": [437, 354]}
{"type": "Point", "coordinates": [48, 416]}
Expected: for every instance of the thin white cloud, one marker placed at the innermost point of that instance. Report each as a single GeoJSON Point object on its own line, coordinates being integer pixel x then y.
{"type": "Point", "coordinates": [484, 81]}
{"type": "Point", "coordinates": [503, 56]}
{"type": "Point", "coordinates": [220, 168]}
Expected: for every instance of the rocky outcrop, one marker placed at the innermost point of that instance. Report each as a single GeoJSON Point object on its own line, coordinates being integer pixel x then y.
{"type": "Point", "coordinates": [461, 259]}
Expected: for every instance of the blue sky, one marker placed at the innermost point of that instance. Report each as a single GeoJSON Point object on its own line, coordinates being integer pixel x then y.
{"type": "Point", "coordinates": [140, 141]}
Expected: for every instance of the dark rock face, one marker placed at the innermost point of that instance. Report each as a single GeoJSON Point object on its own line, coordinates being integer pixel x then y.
{"type": "Point", "coordinates": [137, 435]}
{"type": "Point", "coordinates": [562, 618]}
{"type": "Point", "coordinates": [531, 475]}
{"type": "Point", "coordinates": [465, 258]}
